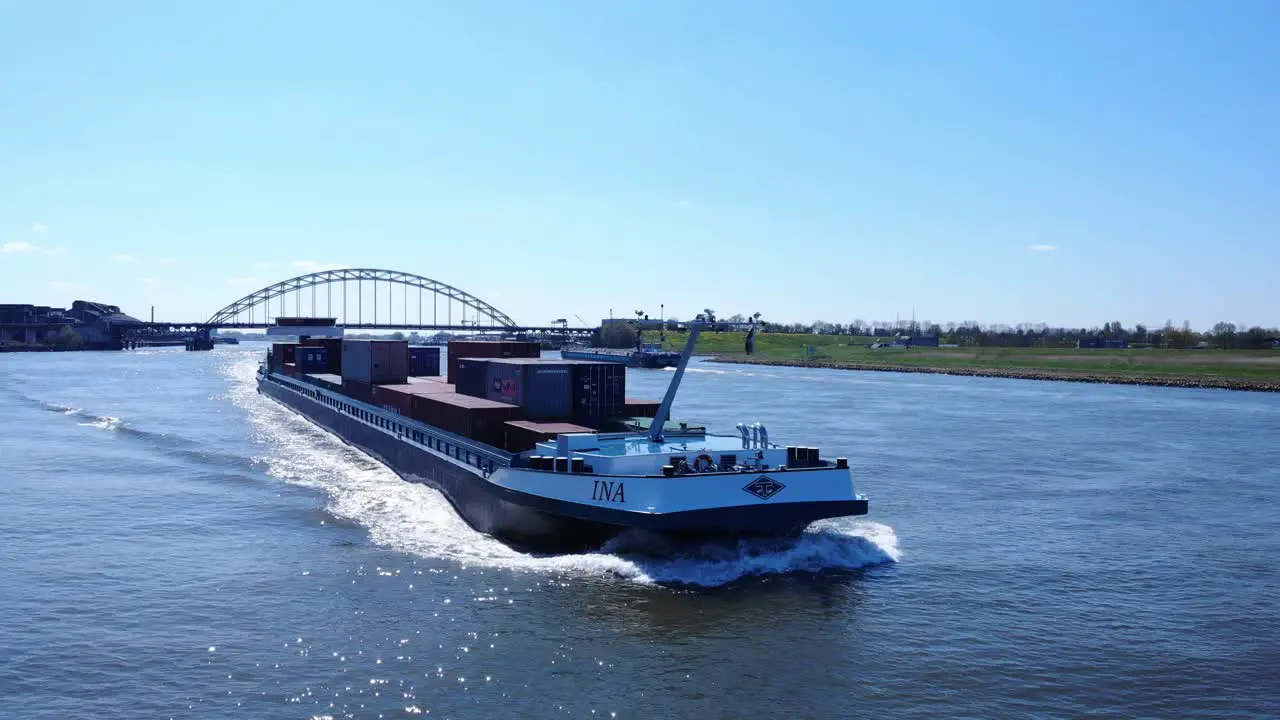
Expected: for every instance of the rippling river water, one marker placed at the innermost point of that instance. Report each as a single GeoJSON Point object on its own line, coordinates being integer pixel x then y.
{"type": "Point", "coordinates": [172, 544]}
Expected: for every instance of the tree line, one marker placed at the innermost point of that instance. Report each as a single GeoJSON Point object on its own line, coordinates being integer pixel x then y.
{"type": "Point", "coordinates": [1222, 335]}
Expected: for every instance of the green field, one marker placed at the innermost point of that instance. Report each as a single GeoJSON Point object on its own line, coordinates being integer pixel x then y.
{"type": "Point", "coordinates": [1224, 367]}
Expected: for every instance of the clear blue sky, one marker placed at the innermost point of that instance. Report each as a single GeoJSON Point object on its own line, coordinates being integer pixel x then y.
{"type": "Point", "coordinates": [1061, 162]}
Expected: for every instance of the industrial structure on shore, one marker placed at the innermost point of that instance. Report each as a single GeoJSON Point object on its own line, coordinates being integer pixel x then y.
{"type": "Point", "coordinates": [84, 326]}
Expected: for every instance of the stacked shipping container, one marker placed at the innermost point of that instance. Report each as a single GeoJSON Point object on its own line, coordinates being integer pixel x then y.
{"type": "Point", "coordinates": [282, 353]}
{"type": "Point", "coordinates": [472, 417]}
{"type": "Point", "coordinates": [376, 362]}
{"type": "Point", "coordinates": [399, 397]}
{"type": "Point", "coordinates": [311, 359]}
{"type": "Point", "coordinates": [334, 348]}
{"type": "Point", "coordinates": [599, 391]}
{"type": "Point", "coordinates": [460, 349]}
{"type": "Point", "coordinates": [500, 394]}
{"type": "Point", "coordinates": [640, 408]}
{"type": "Point", "coordinates": [423, 360]}
{"type": "Point", "coordinates": [471, 376]}
{"type": "Point", "coordinates": [522, 435]}
{"type": "Point", "coordinates": [325, 380]}
{"type": "Point", "coordinates": [543, 388]}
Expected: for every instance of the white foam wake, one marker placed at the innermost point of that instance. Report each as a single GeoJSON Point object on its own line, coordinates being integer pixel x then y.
{"type": "Point", "coordinates": [417, 519]}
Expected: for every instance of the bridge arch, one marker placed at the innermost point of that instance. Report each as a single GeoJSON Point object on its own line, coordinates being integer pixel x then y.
{"type": "Point", "coordinates": [244, 312]}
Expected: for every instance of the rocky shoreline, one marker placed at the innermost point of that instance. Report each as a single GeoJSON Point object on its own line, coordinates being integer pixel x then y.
{"type": "Point", "coordinates": [1179, 381]}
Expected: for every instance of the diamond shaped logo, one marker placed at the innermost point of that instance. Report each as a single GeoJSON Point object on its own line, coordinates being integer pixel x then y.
{"type": "Point", "coordinates": [764, 487]}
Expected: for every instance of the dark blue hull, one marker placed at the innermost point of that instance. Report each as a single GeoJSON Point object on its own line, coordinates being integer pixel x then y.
{"type": "Point", "coordinates": [478, 501]}
{"type": "Point", "coordinates": [541, 524]}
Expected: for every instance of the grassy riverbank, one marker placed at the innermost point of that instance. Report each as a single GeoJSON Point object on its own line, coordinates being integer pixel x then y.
{"type": "Point", "coordinates": [1232, 369]}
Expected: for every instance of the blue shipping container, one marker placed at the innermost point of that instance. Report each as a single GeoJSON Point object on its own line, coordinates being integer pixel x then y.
{"type": "Point", "coordinates": [311, 359]}
{"type": "Point", "coordinates": [543, 389]}
{"type": "Point", "coordinates": [424, 361]}
{"type": "Point", "coordinates": [471, 377]}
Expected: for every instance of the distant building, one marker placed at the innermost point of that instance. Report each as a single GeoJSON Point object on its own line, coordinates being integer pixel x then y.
{"type": "Point", "coordinates": [95, 325]}
{"type": "Point", "coordinates": [1102, 344]}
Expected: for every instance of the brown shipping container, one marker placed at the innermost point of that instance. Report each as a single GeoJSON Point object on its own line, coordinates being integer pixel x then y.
{"type": "Point", "coordinates": [357, 390]}
{"type": "Point", "coordinates": [522, 435]}
{"type": "Point", "coordinates": [470, 417]}
{"type": "Point", "coordinates": [640, 408]}
{"type": "Point", "coordinates": [283, 353]}
{"type": "Point", "coordinates": [399, 397]}
{"type": "Point", "coordinates": [488, 349]}
{"type": "Point", "coordinates": [422, 388]}
{"type": "Point", "coordinates": [326, 380]}
{"type": "Point", "coordinates": [390, 397]}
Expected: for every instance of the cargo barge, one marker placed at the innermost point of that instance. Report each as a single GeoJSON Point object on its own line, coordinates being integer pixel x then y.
{"type": "Point", "coordinates": [646, 356]}
{"type": "Point", "coordinates": [549, 455]}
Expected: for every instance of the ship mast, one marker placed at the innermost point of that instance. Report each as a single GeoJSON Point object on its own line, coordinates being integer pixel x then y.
{"type": "Point", "coordinates": [664, 410]}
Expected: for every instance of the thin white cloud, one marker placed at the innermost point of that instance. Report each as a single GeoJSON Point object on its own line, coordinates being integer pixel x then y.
{"type": "Point", "coordinates": [54, 251]}
{"type": "Point", "coordinates": [1042, 248]}
{"type": "Point", "coordinates": [241, 280]}
{"type": "Point", "coordinates": [18, 246]}
{"type": "Point", "coordinates": [168, 261]}
{"type": "Point", "coordinates": [38, 227]}
{"type": "Point", "coordinates": [682, 204]}
{"type": "Point", "coordinates": [313, 266]}
{"type": "Point", "coordinates": [124, 259]}
{"type": "Point", "coordinates": [146, 280]}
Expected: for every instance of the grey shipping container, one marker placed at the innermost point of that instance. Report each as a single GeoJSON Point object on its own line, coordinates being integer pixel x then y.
{"type": "Point", "coordinates": [543, 389]}
{"type": "Point", "coordinates": [599, 391]}
{"type": "Point", "coordinates": [423, 360]}
{"type": "Point", "coordinates": [471, 376]}
{"type": "Point", "coordinates": [377, 362]}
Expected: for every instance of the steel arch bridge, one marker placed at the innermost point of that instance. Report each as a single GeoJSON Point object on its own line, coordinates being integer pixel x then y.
{"type": "Point", "coordinates": [370, 293]}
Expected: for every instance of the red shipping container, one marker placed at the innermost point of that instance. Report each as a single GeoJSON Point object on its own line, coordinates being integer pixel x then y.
{"type": "Point", "coordinates": [640, 408]}
{"type": "Point", "coordinates": [389, 397]}
{"type": "Point", "coordinates": [459, 349]}
{"type": "Point", "coordinates": [522, 435]}
{"type": "Point", "coordinates": [282, 353]}
{"type": "Point", "coordinates": [399, 397]}
{"type": "Point", "coordinates": [357, 390]}
{"type": "Point", "coordinates": [471, 417]}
